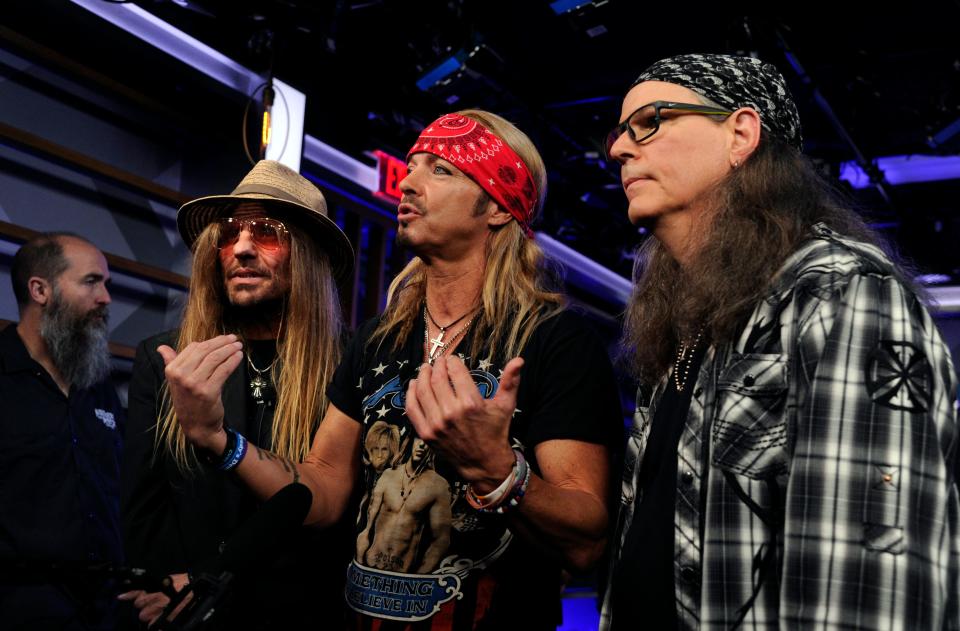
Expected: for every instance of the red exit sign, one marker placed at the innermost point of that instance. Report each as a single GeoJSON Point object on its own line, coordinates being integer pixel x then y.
{"type": "Point", "coordinates": [392, 171]}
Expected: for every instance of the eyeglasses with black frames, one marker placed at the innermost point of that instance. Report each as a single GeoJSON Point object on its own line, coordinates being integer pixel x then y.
{"type": "Point", "coordinates": [267, 234]}
{"type": "Point", "coordinates": [645, 121]}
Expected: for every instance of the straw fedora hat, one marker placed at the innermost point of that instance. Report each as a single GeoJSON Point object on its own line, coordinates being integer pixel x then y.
{"type": "Point", "coordinates": [285, 194]}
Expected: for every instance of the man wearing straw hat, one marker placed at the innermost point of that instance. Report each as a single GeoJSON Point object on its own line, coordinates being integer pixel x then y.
{"type": "Point", "coordinates": [265, 259]}
{"type": "Point", "coordinates": [517, 479]}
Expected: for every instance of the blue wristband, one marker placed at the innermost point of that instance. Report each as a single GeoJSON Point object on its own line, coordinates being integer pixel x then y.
{"type": "Point", "coordinates": [233, 457]}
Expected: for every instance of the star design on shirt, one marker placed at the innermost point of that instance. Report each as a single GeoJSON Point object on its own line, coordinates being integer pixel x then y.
{"type": "Point", "coordinates": [360, 385]}
{"type": "Point", "coordinates": [400, 364]}
{"type": "Point", "coordinates": [485, 364]}
{"type": "Point", "coordinates": [515, 412]}
{"type": "Point", "coordinates": [382, 411]}
{"type": "Point", "coordinates": [491, 181]}
{"type": "Point", "coordinates": [379, 369]}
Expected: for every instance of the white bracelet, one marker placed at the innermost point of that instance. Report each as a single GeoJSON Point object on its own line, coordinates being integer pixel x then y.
{"type": "Point", "coordinates": [497, 494]}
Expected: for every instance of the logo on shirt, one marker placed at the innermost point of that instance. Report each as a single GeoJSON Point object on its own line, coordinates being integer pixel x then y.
{"type": "Point", "coordinates": [106, 418]}
{"type": "Point", "coordinates": [398, 596]}
{"type": "Point", "coordinates": [900, 377]}
{"type": "Point", "coordinates": [418, 539]}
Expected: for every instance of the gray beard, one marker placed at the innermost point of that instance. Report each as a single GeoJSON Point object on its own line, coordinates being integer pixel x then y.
{"type": "Point", "coordinates": [76, 342]}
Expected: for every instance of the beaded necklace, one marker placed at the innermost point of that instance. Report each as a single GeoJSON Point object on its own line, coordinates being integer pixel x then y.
{"type": "Point", "coordinates": [681, 365]}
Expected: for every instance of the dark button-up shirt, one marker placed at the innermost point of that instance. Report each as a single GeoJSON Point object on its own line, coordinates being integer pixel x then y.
{"type": "Point", "coordinates": [59, 468]}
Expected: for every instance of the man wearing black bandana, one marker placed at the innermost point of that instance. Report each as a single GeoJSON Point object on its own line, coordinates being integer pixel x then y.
{"type": "Point", "coordinates": [791, 464]}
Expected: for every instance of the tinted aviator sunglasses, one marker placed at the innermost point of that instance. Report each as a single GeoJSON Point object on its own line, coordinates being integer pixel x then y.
{"type": "Point", "coordinates": [267, 234]}
{"type": "Point", "coordinates": [645, 121]}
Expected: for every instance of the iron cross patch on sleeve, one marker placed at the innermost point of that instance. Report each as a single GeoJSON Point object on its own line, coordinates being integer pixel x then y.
{"type": "Point", "coordinates": [900, 377]}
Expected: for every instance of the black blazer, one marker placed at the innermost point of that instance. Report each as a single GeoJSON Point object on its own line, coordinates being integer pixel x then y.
{"type": "Point", "coordinates": [172, 520]}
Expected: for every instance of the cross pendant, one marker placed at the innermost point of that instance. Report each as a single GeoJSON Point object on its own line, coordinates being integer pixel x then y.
{"type": "Point", "coordinates": [437, 342]}
{"type": "Point", "coordinates": [257, 384]}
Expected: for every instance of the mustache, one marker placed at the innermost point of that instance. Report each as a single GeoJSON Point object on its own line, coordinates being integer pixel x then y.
{"type": "Point", "coordinates": [97, 317]}
{"type": "Point", "coordinates": [248, 270]}
{"type": "Point", "coordinates": [413, 202]}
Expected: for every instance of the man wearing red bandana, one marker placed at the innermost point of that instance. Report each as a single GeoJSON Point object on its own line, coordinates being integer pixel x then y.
{"type": "Point", "coordinates": [503, 400]}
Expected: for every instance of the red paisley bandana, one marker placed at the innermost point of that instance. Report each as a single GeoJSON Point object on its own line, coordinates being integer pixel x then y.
{"type": "Point", "coordinates": [484, 158]}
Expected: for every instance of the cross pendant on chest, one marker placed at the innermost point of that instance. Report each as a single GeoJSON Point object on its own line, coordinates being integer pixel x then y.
{"type": "Point", "coordinates": [437, 342]}
{"type": "Point", "coordinates": [257, 384]}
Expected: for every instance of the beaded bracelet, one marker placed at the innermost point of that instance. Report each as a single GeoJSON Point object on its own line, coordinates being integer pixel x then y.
{"type": "Point", "coordinates": [516, 495]}
{"type": "Point", "coordinates": [233, 452]}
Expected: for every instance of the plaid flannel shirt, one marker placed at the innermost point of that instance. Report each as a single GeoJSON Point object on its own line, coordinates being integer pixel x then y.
{"type": "Point", "coordinates": [815, 484]}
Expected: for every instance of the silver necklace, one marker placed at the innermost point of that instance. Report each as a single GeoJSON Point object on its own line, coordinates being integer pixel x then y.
{"type": "Point", "coordinates": [437, 346]}
{"type": "Point", "coordinates": [259, 383]}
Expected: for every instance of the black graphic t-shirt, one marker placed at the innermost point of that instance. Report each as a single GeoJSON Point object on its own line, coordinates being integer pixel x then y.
{"type": "Point", "coordinates": [422, 553]}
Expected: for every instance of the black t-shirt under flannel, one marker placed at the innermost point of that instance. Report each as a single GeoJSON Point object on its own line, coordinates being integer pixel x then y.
{"type": "Point", "coordinates": [644, 583]}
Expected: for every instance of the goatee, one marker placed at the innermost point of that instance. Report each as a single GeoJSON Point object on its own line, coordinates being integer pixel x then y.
{"type": "Point", "coordinates": [77, 342]}
{"type": "Point", "coordinates": [263, 314]}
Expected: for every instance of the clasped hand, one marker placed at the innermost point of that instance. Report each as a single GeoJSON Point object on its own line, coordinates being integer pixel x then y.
{"type": "Point", "coordinates": [470, 432]}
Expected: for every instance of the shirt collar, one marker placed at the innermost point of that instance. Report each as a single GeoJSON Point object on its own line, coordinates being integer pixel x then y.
{"type": "Point", "coordinates": [13, 353]}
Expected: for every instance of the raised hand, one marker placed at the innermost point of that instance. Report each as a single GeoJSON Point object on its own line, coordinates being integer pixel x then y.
{"type": "Point", "coordinates": [195, 377]}
{"type": "Point", "coordinates": [470, 432]}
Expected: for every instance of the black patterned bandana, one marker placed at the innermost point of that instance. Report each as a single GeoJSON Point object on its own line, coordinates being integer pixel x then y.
{"type": "Point", "coordinates": [735, 82]}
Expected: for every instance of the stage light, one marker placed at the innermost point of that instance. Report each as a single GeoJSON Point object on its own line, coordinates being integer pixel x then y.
{"type": "Point", "coordinates": [565, 6]}
{"type": "Point", "coordinates": [443, 70]}
{"type": "Point", "coordinates": [904, 170]}
{"type": "Point", "coordinates": [286, 121]}
{"type": "Point", "coordinates": [265, 129]}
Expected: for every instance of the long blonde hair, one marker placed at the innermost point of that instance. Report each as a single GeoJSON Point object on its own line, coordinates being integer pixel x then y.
{"type": "Point", "coordinates": [308, 349]}
{"type": "Point", "coordinates": [519, 281]}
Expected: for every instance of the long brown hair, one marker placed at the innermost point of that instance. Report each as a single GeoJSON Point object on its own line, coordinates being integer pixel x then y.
{"type": "Point", "coordinates": [308, 348]}
{"type": "Point", "coordinates": [758, 215]}
{"type": "Point", "coordinates": [518, 283]}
